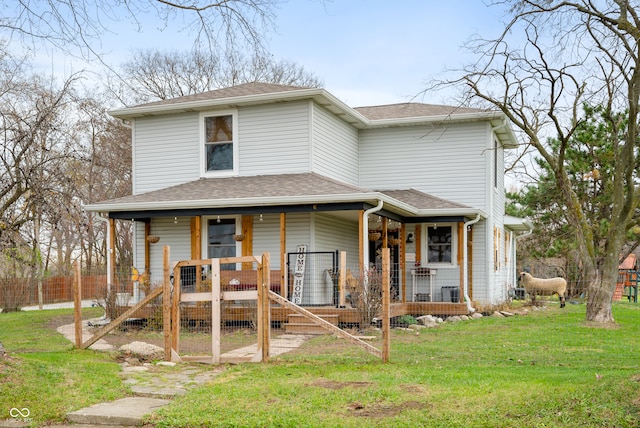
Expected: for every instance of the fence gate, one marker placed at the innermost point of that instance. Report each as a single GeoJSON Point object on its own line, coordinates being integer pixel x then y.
{"type": "Point", "coordinates": [205, 291]}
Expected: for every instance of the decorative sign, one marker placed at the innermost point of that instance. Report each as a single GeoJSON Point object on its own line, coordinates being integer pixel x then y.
{"type": "Point", "coordinates": [298, 274]}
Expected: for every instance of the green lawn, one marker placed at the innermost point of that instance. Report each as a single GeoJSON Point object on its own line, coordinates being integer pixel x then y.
{"type": "Point", "coordinates": [45, 374]}
{"type": "Point", "coordinates": [546, 369]}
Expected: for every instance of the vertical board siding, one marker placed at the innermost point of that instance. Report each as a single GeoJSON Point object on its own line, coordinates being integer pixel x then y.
{"type": "Point", "coordinates": [166, 151]}
{"type": "Point", "coordinates": [335, 147]}
{"type": "Point", "coordinates": [274, 139]}
{"type": "Point", "coordinates": [448, 162]}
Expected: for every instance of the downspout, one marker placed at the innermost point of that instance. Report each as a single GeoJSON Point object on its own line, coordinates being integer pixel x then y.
{"type": "Point", "coordinates": [106, 222]}
{"type": "Point", "coordinates": [365, 232]}
{"type": "Point", "coordinates": [465, 264]}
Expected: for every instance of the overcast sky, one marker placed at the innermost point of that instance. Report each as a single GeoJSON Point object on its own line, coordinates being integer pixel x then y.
{"type": "Point", "coordinates": [367, 52]}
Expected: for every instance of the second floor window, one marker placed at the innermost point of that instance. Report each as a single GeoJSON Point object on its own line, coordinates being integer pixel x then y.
{"type": "Point", "coordinates": [218, 143]}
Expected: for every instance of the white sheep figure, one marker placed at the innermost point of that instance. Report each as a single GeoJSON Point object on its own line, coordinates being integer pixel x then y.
{"type": "Point", "coordinates": [544, 287]}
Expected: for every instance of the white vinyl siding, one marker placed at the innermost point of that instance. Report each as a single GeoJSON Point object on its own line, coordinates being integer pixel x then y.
{"type": "Point", "coordinates": [266, 234]}
{"type": "Point", "coordinates": [448, 161]}
{"type": "Point", "coordinates": [334, 233]}
{"type": "Point", "coordinates": [481, 263]}
{"type": "Point", "coordinates": [274, 139]}
{"type": "Point", "coordinates": [335, 147]}
{"type": "Point", "coordinates": [175, 234]}
{"type": "Point", "coordinates": [166, 151]}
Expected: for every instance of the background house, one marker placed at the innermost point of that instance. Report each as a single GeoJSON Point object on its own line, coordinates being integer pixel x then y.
{"type": "Point", "coordinates": [265, 168]}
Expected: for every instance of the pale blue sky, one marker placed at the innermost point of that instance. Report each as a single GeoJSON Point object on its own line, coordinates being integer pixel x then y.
{"type": "Point", "coordinates": [367, 52]}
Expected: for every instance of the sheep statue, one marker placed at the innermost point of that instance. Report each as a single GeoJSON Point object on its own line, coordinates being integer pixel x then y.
{"type": "Point", "coordinates": [544, 287]}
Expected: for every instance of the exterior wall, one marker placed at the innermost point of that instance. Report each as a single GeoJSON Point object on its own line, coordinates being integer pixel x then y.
{"type": "Point", "coordinates": [335, 147]}
{"type": "Point", "coordinates": [481, 263]}
{"type": "Point", "coordinates": [275, 139]}
{"type": "Point", "coordinates": [335, 233]}
{"type": "Point", "coordinates": [176, 235]}
{"type": "Point", "coordinates": [266, 234]}
{"type": "Point", "coordinates": [272, 139]}
{"type": "Point", "coordinates": [165, 151]}
{"type": "Point", "coordinates": [448, 162]}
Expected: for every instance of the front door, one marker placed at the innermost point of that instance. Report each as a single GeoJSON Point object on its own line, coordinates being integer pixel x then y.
{"type": "Point", "coordinates": [220, 242]}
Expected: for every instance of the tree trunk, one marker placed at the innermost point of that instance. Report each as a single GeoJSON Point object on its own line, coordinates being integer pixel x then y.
{"type": "Point", "coordinates": [600, 293]}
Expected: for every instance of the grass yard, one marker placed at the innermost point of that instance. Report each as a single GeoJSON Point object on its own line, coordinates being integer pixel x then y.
{"type": "Point", "coordinates": [45, 374]}
{"type": "Point", "coordinates": [546, 369]}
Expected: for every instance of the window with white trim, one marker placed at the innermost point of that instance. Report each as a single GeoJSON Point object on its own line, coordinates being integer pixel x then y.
{"type": "Point", "coordinates": [219, 143]}
{"type": "Point", "coordinates": [441, 244]}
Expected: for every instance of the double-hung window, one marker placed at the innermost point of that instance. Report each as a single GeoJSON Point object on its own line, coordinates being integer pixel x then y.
{"type": "Point", "coordinates": [219, 140]}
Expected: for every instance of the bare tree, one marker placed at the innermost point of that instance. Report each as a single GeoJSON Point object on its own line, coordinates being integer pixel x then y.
{"type": "Point", "coordinates": [77, 27]}
{"type": "Point", "coordinates": [158, 75]}
{"type": "Point", "coordinates": [553, 57]}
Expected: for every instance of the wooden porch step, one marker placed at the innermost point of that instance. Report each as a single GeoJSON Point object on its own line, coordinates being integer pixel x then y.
{"type": "Point", "coordinates": [297, 324]}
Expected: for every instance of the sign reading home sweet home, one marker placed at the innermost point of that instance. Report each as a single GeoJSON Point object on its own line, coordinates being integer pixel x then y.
{"type": "Point", "coordinates": [298, 274]}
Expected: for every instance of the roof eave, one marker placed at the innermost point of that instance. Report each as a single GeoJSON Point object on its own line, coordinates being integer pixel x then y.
{"type": "Point", "coordinates": [321, 96]}
{"type": "Point", "coordinates": [372, 197]}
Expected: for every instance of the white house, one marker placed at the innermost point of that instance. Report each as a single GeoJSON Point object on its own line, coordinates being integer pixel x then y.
{"type": "Point", "coordinates": [282, 166]}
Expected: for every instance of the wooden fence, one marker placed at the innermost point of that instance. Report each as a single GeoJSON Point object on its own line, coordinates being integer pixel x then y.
{"type": "Point", "coordinates": [24, 292]}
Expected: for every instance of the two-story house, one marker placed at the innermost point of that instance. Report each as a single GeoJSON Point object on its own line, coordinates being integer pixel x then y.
{"type": "Point", "coordinates": [266, 168]}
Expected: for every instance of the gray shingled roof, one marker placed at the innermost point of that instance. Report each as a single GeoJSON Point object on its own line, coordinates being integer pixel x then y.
{"type": "Point", "coordinates": [254, 88]}
{"type": "Point", "coordinates": [391, 111]}
{"type": "Point", "coordinates": [236, 191]}
{"type": "Point", "coordinates": [259, 186]}
{"type": "Point", "coordinates": [421, 200]}
{"type": "Point", "coordinates": [405, 110]}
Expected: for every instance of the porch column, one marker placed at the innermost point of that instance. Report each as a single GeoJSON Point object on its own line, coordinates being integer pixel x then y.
{"type": "Point", "coordinates": [246, 229]}
{"type": "Point", "coordinates": [147, 247]}
{"type": "Point", "coordinates": [196, 238]}
{"type": "Point", "coordinates": [196, 246]}
{"type": "Point", "coordinates": [418, 240]}
{"type": "Point", "coordinates": [403, 262]}
{"type": "Point", "coordinates": [284, 290]}
{"type": "Point", "coordinates": [461, 260]}
{"type": "Point", "coordinates": [112, 248]}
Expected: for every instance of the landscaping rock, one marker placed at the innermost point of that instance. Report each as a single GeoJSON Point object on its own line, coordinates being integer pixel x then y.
{"type": "Point", "coordinates": [454, 318]}
{"type": "Point", "coordinates": [464, 318]}
{"type": "Point", "coordinates": [142, 349]}
{"type": "Point", "coordinates": [426, 319]}
{"type": "Point", "coordinates": [506, 314]}
{"type": "Point", "coordinates": [497, 314]}
{"type": "Point", "coordinates": [476, 315]}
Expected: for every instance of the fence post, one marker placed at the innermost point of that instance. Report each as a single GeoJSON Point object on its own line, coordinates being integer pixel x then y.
{"type": "Point", "coordinates": [166, 303]}
{"type": "Point", "coordinates": [216, 309]}
{"type": "Point", "coordinates": [342, 279]}
{"type": "Point", "coordinates": [77, 303]}
{"type": "Point", "coordinates": [386, 299]}
{"type": "Point", "coordinates": [263, 301]}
